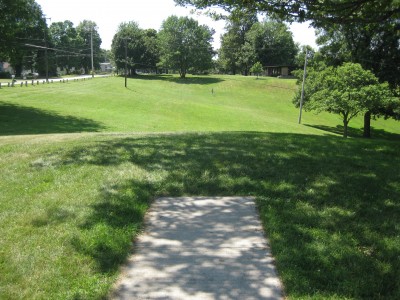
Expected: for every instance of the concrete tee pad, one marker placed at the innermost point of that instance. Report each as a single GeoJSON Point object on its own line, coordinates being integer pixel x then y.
{"type": "Point", "coordinates": [201, 248]}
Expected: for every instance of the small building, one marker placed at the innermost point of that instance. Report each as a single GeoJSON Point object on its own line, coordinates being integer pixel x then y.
{"type": "Point", "coordinates": [106, 67]}
{"type": "Point", "coordinates": [275, 71]}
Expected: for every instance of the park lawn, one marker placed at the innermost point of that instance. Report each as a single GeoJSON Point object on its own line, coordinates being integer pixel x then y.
{"type": "Point", "coordinates": [163, 104]}
{"type": "Point", "coordinates": [71, 204]}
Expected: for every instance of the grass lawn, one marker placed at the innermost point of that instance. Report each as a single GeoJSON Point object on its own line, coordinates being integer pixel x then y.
{"type": "Point", "coordinates": [70, 204]}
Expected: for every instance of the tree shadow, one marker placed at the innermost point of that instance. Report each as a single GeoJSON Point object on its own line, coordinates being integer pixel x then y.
{"type": "Point", "coordinates": [201, 80]}
{"type": "Point", "coordinates": [17, 120]}
{"type": "Point", "coordinates": [329, 206]}
{"type": "Point", "coordinates": [358, 132]}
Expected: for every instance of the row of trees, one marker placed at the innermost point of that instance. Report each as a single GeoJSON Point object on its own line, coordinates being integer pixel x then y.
{"type": "Point", "coordinates": [29, 44]}
{"type": "Point", "coordinates": [182, 44]}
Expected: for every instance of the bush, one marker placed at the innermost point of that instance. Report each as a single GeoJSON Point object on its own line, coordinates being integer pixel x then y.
{"type": "Point", "coordinates": [5, 75]}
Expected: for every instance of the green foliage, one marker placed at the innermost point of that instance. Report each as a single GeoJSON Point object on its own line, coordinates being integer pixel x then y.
{"type": "Point", "coordinates": [185, 45]}
{"type": "Point", "coordinates": [332, 11]}
{"type": "Point", "coordinates": [22, 22]}
{"type": "Point", "coordinates": [257, 68]}
{"type": "Point", "coordinates": [348, 90]}
{"type": "Point", "coordinates": [151, 56]}
{"type": "Point", "coordinates": [313, 57]}
{"type": "Point", "coordinates": [140, 46]}
{"type": "Point", "coordinates": [64, 36]}
{"type": "Point", "coordinates": [375, 47]}
{"type": "Point", "coordinates": [248, 41]}
{"type": "Point", "coordinates": [273, 43]}
{"type": "Point", "coordinates": [237, 54]}
{"type": "Point", "coordinates": [85, 31]}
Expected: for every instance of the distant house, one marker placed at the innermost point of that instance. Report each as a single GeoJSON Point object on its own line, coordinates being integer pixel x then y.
{"type": "Point", "coordinates": [106, 67]}
{"type": "Point", "coordinates": [275, 71]}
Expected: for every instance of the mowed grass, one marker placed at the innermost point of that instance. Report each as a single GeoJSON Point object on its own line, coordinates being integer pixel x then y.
{"type": "Point", "coordinates": [163, 104]}
{"type": "Point", "coordinates": [71, 204]}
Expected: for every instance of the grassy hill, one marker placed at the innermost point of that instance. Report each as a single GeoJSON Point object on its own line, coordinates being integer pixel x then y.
{"type": "Point", "coordinates": [163, 103]}
{"type": "Point", "coordinates": [71, 203]}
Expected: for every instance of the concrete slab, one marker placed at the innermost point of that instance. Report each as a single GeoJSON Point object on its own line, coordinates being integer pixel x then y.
{"type": "Point", "coordinates": [201, 248]}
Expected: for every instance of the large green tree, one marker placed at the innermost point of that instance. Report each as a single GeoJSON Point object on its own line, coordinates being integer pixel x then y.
{"type": "Point", "coordinates": [128, 47]}
{"type": "Point", "coordinates": [273, 43]}
{"type": "Point", "coordinates": [86, 32]}
{"type": "Point", "coordinates": [185, 45]}
{"type": "Point", "coordinates": [151, 56]}
{"type": "Point", "coordinates": [21, 24]}
{"type": "Point", "coordinates": [65, 39]}
{"type": "Point", "coordinates": [348, 90]}
{"type": "Point", "coordinates": [237, 53]}
{"type": "Point", "coordinates": [139, 47]}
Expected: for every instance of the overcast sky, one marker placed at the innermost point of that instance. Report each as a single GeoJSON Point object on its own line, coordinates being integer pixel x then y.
{"type": "Point", "coordinates": [147, 13]}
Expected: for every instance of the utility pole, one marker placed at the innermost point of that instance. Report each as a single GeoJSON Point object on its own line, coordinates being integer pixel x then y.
{"type": "Point", "coordinates": [302, 87]}
{"type": "Point", "coordinates": [45, 49]}
{"type": "Point", "coordinates": [91, 49]}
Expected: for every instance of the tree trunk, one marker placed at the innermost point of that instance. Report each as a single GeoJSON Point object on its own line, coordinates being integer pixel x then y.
{"type": "Point", "coordinates": [367, 125]}
{"type": "Point", "coordinates": [182, 73]}
{"type": "Point", "coordinates": [18, 70]}
{"type": "Point", "coordinates": [345, 128]}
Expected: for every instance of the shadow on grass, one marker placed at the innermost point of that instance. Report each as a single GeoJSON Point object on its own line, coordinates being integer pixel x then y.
{"type": "Point", "coordinates": [16, 120]}
{"type": "Point", "coordinates": [354, 132]}
{"type": "Point", "coordinates": [202, 80]}
{"type": "Point", "coordinates": [330, 206]}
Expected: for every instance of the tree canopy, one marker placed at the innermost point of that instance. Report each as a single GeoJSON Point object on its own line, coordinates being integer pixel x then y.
{"type": "Point", "coordinates": [65, 38]}
{"type": "Point", "coordinates": [273, 43]}
{"type": "Point", "coordinates": [329, 11]}
{"type": "Point", "coordinates": [86, 30]}
{"type": "Point", "coordinates": [139, 45]}
{"type": "Point", "coordinates": [247, 41]}
{"type": "Point", "coordinates": [185, 45]}
{"type": "Point", "coordinates": [236, 53]}
{"type": "Point", "coordinates": [21, 23]}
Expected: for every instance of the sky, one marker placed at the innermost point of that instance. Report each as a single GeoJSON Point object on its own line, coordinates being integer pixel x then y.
{"type": "Point", "coordinates": [147, 13]}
